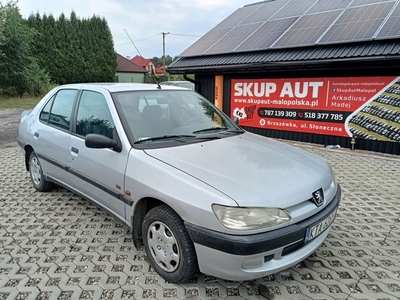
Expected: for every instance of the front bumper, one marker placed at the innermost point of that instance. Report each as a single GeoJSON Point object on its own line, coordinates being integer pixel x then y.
{"type": "Point", "coordinates": [245, 257]}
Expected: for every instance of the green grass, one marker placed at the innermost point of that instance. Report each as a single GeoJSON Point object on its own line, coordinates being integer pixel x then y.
{"type": "Point", "coordinates": [25, 102]}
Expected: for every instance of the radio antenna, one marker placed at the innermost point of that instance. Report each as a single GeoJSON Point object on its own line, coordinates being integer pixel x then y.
{"type": "Point", "coordinates": [152, 74]}
{"type": "Point", "coordinates": [132, 42]}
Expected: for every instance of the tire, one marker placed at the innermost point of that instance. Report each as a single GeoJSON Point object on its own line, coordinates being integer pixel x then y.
{"type": "Point", "coordinates": [165, 235]}
{"type": "Point", "coordinates": [37, 177]}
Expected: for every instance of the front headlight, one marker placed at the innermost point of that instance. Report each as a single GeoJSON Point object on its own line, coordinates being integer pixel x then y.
{"type": "Point", "coordinates": [242, 218]}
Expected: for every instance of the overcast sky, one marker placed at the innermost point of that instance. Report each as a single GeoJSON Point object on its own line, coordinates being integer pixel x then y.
{"type": "Point", "coordinates": [186, 20]}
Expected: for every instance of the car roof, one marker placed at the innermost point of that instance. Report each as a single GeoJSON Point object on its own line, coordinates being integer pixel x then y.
{"type": "Point", "coordinates": [113, 87]}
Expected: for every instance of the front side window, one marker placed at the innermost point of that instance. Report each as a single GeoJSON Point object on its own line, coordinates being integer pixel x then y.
{"type": "Point", "coordinates": [94, 115]}
{"type": "Point", "coordinates": [61, 110]}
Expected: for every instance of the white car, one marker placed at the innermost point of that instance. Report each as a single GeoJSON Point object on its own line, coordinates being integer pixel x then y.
{"type": "Point", "coordinates": [200, 193]}
{"type": "Point", "coordinates": [182, 83]}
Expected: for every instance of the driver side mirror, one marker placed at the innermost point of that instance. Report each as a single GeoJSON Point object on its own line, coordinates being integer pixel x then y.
{"type": "Point", "coordinates": [99, 141]}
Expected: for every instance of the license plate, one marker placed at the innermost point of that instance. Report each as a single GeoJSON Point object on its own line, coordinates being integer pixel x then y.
{"type": "Point", "coordinates": [317, 229]}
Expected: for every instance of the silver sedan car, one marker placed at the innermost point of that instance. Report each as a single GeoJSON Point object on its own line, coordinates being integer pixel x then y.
{"type": "Point", "coordinates": [199, 192]}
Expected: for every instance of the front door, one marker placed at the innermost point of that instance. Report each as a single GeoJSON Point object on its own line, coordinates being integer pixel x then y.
{"type": "Point", "coordinates": [97, 173]}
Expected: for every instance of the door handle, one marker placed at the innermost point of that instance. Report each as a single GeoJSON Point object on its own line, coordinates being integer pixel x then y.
{"type": "Point", "coordinates": [75, 150]}
{"type": "Point", "coordinates": [36, 134]}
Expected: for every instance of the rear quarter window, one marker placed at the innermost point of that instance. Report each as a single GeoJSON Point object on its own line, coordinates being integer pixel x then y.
{"type": "Point", "coordinates": [58, 110]}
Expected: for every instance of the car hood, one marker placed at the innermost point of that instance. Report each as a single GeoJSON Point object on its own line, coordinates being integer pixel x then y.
{"type": "Point", "coordinates": [251, 169]}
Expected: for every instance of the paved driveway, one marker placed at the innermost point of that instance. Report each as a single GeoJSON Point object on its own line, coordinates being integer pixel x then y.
{"type": "Point", "coordinates": [59, 246]}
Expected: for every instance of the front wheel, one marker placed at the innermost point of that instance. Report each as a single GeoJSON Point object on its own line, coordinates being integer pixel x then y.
{"type": "Point", "coordinates": [168, 245]}
{"type": "Point", "coordinates": [37, 177]}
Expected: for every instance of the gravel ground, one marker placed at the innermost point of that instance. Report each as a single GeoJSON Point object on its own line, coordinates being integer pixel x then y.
{"type": "Point", "coordinates": [9, 126]}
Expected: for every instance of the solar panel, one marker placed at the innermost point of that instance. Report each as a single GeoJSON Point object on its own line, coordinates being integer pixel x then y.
{"type": "Point", "coordinates": [238, 16]}
{"type": "Point", "coordinates": [307, 30]}
{"type": "Point", "coordinates": [293, 8]}
{"type": "Point", "coordinates": [265, 11]}
{"type": "Point", "coordinates": [236, 36]}
{"type": "Point", "coordinates": [392, 26]}
{"type": "Point", "coordinates": [265, 36]}
{"type": "Point", "coordinates": [323, 6]}
{"type": "Point", "coordinates": [290, 23]}
{"type": "Point", "coordinates": [364, 2]}
{"type": "Point", "coordinates": [206, 41]}
{"type": "Point", "coordinates": [356, 24]}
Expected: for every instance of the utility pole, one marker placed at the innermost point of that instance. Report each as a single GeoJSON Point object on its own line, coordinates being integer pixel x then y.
{"type": "Point", "coordinates": [163, 57]}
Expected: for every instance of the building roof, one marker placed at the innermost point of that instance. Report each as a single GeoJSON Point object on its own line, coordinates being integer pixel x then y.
{"type": "Point", "coordinates": [278, 24]}
{"type": "Point", "coordinates": [159, 70]}
{"type": "Point", "coordinates": [272, 59]}
{"type": "Point", "coordinates": [294, 32]}
{"type": "Point", "coordinates": [125, 65]}
{"type": "Point", "coordinates": [143, 62]}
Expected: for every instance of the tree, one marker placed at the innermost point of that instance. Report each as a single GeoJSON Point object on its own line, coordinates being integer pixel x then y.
{"type": "Point", "coordinates": [160, 63]}
{"type": "Point", "coordinates": [75, 50]}
{"type": "Point", "coordinates": [2, 22]}
{"type": "Point", "coordinates": [18, 70]}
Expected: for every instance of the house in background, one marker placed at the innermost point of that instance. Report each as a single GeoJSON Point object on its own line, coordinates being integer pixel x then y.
{"type": "Point", "coordinates": [128, 71]}
{"type": "Point", "coordinates": [148, 64]}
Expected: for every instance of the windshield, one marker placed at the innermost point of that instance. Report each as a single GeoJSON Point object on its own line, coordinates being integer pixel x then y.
{"type": "Point", "coordinates": [152, 115]}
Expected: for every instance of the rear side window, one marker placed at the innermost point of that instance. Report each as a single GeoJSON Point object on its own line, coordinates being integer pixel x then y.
{"type": "Point", "coordinates": [57, 112]}
{"type": "Point", "coordinates": [94, 115]}
{"type": "Point", "coordinates": [44, 114]}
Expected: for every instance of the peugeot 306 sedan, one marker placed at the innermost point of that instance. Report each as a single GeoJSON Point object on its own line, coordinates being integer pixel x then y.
{"type": "Point", "coordinates": [199, 192]}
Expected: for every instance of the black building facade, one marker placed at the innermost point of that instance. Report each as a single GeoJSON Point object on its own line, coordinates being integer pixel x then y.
{"type": "Point", "coordinates": [374, 124]}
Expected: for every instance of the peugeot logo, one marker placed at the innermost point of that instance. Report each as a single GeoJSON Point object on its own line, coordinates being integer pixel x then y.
{"type": "Point", "coordinates": [318, 197]}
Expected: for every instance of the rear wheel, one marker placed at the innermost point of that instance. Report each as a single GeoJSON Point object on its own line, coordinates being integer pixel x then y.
{"type": "Point", "coordinates": [36, 173]}
{"type": "Point", "coordinates": [168, 245]}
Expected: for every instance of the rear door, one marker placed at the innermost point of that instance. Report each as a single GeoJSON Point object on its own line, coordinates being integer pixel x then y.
{"type": "Point", "coordinates": [52, 133]}
{"type": "Point", "coordinates": [97, 173]}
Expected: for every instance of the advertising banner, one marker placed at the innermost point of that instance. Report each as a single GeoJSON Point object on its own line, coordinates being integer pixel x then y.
{"type": "Point", "coordinates": [342, 106]}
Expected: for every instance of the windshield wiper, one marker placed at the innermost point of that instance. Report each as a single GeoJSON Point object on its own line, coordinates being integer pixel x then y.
{"type": "Point", "coordinates": [165, 137]}
{"type": "Point", "coordinates": [210, 129]}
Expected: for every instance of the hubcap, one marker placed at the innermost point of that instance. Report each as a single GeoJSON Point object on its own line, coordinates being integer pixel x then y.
{"type": "Point", "coordinates": [35, 171]}
{"type": "Point", "coordinates": [163, 246]}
